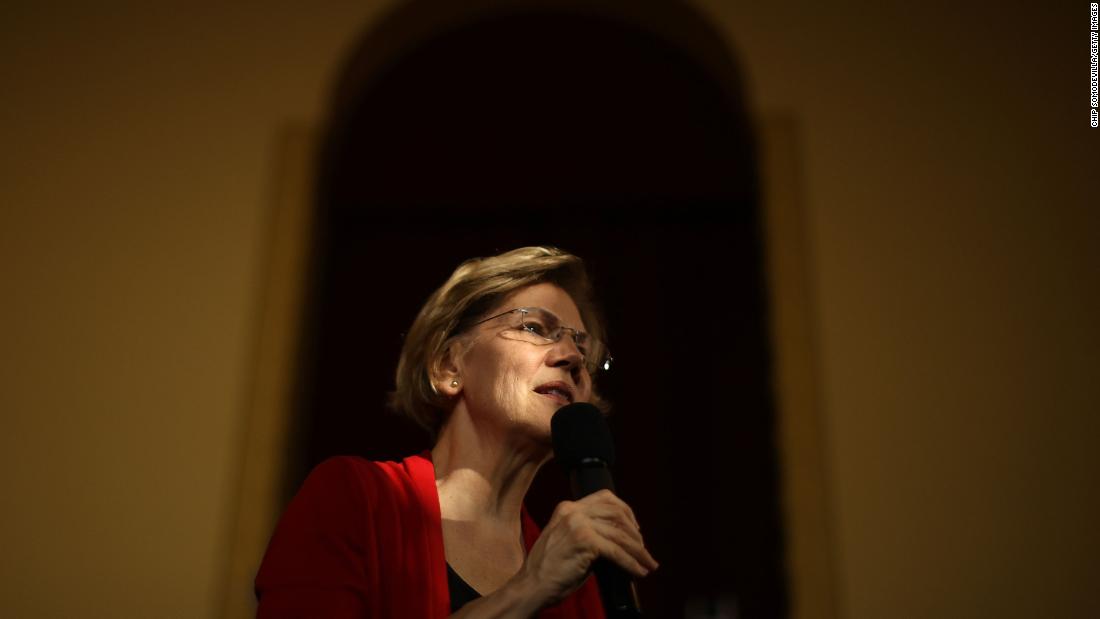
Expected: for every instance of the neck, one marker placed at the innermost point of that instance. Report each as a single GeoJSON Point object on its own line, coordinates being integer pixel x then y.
{"type": "Point", "coordinates": [482, 475]}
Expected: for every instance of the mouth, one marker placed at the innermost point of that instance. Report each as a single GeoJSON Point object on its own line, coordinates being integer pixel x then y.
{"type": "Point", "coordinates": [557, 391]}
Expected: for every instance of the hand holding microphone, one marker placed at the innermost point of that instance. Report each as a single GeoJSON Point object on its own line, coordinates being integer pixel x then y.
{"type": "Point", "coordinates": [598, 531]}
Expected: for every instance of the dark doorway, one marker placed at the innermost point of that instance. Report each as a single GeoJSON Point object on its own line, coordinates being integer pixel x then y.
{"type": "Point", "coordinates": [590, 134]}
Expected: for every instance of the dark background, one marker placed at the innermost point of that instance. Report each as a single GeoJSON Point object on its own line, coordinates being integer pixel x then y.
{"type": "Point", "coordinates": [613, 144]}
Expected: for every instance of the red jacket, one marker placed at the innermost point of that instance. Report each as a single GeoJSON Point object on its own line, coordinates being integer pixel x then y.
{"type": "Point", "coordinates": [365, 539]}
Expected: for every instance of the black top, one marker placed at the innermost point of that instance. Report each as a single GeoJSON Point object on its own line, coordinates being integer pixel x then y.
{"type": "Point", "coordinates": [461, 592]}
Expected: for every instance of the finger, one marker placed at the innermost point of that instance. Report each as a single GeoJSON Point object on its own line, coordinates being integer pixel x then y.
{"type": "Point", "coordinates": [563, 508]}
{"type": "Point", "coordinates": [616, 553]}
{"type": "Point", "coordinates": [634, 547]}
{"type": "Point", "coordinates": [607, 497]}
{"type": "Point", "coordinates": [612, 515]}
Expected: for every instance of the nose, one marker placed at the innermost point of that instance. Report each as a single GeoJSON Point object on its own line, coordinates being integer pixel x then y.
{"type": "Point", "coordinates": [564, 353]}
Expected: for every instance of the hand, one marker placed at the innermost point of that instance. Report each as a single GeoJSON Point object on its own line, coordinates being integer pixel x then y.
{"type": "Point", "coordinates": [579, 532]}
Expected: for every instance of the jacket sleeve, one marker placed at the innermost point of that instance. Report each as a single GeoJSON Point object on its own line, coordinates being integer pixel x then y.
{"type": "Point", "coordinates": [318, 563]}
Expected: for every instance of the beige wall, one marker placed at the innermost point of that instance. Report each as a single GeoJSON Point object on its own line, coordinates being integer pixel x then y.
{"type": "Point", "coordinates": [947, 161]}
{"type": "Point", "coordinates": [951, 187]}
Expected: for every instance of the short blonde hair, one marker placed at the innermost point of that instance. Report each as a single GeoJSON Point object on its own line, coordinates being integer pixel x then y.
{"type": "Point", "coordinates": [473, 290]}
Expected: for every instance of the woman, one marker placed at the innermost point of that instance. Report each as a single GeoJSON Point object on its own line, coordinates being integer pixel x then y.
{"type": "Point", "coordinates": [491, 356]}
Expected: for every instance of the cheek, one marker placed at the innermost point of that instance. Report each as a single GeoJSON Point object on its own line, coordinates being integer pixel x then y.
{"type": "Point", "coordinates": [504, 374]}
{"type": "Point", "coordinates": [515, 377]}
{"type": "Point", "coordinates": [516, 373]}
{"type": "Point", "coordinates": [585, 387]}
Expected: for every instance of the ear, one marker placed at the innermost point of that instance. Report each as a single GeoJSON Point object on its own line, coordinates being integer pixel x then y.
{"type": "Point", "coordinates": [446, 371]}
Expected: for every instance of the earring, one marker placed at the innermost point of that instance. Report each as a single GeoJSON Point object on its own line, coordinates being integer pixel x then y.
{"type": "Point", "coordinates": [454, 382]}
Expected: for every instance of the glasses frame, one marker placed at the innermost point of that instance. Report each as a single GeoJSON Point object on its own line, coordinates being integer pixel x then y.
{"type": "Point", "coordinates": [593, 368]}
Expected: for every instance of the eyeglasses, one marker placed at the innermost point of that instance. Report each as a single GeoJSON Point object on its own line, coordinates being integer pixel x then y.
{"type": "Point", "coordinates": [540, 326]}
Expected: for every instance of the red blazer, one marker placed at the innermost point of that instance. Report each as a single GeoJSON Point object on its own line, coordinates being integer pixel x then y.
{"type": "Point", "coordinates": [365, 539]}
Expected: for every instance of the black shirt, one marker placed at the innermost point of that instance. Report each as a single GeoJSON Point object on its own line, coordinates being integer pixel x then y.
{"type": "Point", "coordinates": [461, 592]}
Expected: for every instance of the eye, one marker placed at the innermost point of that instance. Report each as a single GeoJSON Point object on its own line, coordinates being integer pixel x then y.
{"type": "Point", "coordinates": [536, 326]}
{"type": "Point", "coordinates": [581, 340]}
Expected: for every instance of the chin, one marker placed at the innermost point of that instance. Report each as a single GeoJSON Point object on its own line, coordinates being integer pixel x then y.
{"type": "Point", "coordinates": [537, 426]}
{"type": "Point", "coordinates": [535, 419]}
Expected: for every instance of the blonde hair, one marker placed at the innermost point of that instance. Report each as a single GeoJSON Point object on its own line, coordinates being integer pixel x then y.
{"type": "Point", "coordinates": [474, 289]}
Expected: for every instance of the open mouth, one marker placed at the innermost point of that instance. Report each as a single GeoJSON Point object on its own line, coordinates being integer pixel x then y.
{"type": "Point", "coordinates": [556, 391]}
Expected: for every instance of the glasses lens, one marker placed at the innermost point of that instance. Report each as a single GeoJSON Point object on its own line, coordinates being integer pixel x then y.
{"type": "Point", "coordinates": [530, 324]}
{"type": "Point", "coordinates": [596, 359]}
{"type": "Point", "coordinates": [539, 326]}
{"type": "Point", "coordinates": [540, 323]}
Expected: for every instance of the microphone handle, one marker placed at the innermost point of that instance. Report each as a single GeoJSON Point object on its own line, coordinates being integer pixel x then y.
{"type": "Point", "coordinates": [591, 476]}
{"type": "Point", "coordinates": [620, 597]}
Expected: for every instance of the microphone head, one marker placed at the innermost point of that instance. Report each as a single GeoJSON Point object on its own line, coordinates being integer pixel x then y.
{"type": "Point", "coordinates": [580, 433]}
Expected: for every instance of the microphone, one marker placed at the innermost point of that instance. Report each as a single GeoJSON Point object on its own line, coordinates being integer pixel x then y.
{"type": "Point", "coordinates": [583, 445]}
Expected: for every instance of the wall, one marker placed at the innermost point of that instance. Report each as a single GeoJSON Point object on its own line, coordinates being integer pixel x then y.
{"type": "Point", "coordinates": [947, 161]}
{"type": "Point", "coordinates": [950, 177]}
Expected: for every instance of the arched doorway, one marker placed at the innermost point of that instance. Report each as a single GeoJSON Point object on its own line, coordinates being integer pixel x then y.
{"type": "Point", "coordinates": [621, 136]}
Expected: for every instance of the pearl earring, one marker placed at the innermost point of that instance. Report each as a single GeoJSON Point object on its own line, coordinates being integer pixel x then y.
{"type": "Point", "coordinates": [454, 382]}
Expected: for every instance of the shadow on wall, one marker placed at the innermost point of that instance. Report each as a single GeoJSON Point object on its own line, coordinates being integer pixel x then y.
{"type": "Point", "coordinates": [620, 134]}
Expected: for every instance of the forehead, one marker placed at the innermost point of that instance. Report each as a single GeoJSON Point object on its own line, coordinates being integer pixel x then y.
{"type": "Point", "coordinates": [549, 296]}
